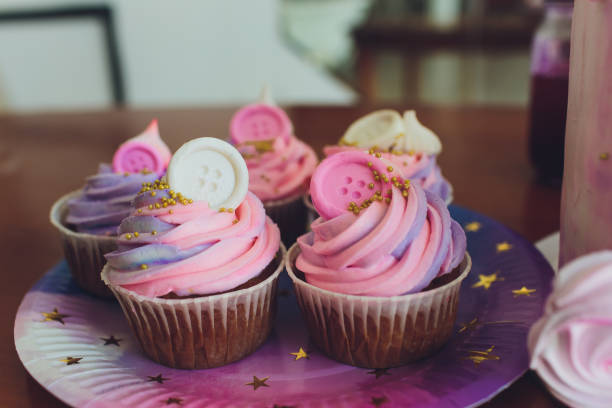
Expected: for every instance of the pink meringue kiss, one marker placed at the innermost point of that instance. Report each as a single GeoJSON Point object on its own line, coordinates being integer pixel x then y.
{"type": "Point", "coordinates": [143, 152]}
{"type": "Point", "coordinates": [571, 345]}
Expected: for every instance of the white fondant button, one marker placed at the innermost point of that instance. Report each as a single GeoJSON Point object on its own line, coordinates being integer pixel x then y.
{"type": "Point", "coordinates": [209, 169]}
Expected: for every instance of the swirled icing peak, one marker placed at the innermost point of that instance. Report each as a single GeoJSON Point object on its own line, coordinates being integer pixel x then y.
{"type": "Point", "coordinates": [280, 165]}
{"type": "Point", "coordinates": [571, 345]}
{"type": "Point", "coordinates": [378, 234]}
{"type": "Point", "coordinates": [174, 244]}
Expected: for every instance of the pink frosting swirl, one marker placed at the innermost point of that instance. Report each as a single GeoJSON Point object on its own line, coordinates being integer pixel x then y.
{"type": "Point", "coordinates": [278, 168]}
{"type": "Point", "coordinates": [386, 249]}
{"type": "Point", "coordinates": [571, 345]}
{"type": "Point", "coordinates": [190, 248]}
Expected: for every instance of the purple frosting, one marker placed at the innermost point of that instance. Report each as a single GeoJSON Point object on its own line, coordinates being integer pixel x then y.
{"type": "Point", "coordinates": [105, 201]}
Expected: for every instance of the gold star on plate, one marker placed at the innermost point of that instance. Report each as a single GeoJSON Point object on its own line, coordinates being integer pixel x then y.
{"type": "Point", "coordinates": [158, 379]}
{"type": "Point", "coordinates": [174, 400]}
{"type": "Point", "coordinates": [111, 340]}
{"type": "Point", "coordinates": [378, 401]}
{"type": "Point", "coordinates": [486, 281]}
{"type": "Point", "coordinates": [523, 292]}
{"type": "Point", "coordinates": [55, 316]}
{"type": "Point", "coordinates": [471, 325]}
{"type": "Point", "coordinates": [478, 356]}
{"type": "Point", "coordinates": [300, 354]}
{"type": "Point", "coordinates": [71, 360]}
{"type": "Point", "coordinates": [473, 226]}
{"type": "Point", "coordinates": [258, 382]}
{"type": "Point", "coordinates": [379, 372]}
{"type": "Point", "coordinates": [503, 247]}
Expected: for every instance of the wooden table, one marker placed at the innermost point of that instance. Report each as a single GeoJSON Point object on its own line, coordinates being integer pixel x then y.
{"type": "Point", "coordinates": [44, 156]}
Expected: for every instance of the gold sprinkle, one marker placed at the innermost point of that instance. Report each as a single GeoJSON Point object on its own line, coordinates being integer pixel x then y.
{"type": "Point", "coordinates": [604, 156]}
{"type": "Point", "coordinates": [153, 193]}
{"type": "Point", "coordinates": [136, 234]}
{"type": "Point", "coordinates": [126, 174]}
{"type": "Point", "coordinates": [140, 211]}
{"type": "Point", "coordinates": [128, 236]}
{"type": "Point", "coordinates": [150, 206]}
{"type": "Point", "coordinates": [157, 205]}
{"type": "Point", "coordinates": [222, 209]}
{"type": "Point", "coordinates": [164, 204]}
{"type": "Point", "coordinates": [154, 232]}
{"type": "Point", "coordinates": [190, 201]}
{"type": "Point", "coordinates": [371, 186]}
{"type": "Point", "coordinates": [389, 169]}
{"type": "Point", "coordinates": [405, 193]}
{"type": "Point", "coordinates": [387, 200]}
{"type": "Point", "coordinates": [394, 179]}
{"type": "Point", "coordinates": [144, 266]}
{"type": "Point", "coordinates": [377, 155]}
{"type": "Point", "coordinates": [369, 164]}
{"type": "Point", "coordinates": [235, 222]}
{"type": "Point", "coordinates": [230, 210]}
{"type": "Point", "coordinates": [375, 172]}
{"type": "Point", "coordinates": [171, 212]}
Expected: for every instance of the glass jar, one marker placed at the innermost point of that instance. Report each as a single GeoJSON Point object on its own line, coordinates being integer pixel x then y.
{"type": "Point", "coordinates": [549, 88]}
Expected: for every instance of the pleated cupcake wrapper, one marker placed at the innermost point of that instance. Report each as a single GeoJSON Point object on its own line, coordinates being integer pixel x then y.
{"type": "Point", "coordinates": [377, 332]}
{"type": "Point", "coordinates": [290, 216]}
{"type": "Point", "coordinates": [84, 252]}
{"type": "Point", "coordinates": [202, 332]}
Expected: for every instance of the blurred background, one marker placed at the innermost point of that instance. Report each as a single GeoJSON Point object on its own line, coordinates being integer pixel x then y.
{"type": "Point", "coordinates": [83, 54]}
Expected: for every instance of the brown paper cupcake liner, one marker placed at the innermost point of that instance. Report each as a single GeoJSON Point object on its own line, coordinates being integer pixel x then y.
{"type": "Point", "coordinates": [202, 332]}
{"type": "Point", "coordinates": [84, 252]}
{"type": "Point", "coordinates": [378, 332]}
{"type": "Point", "coordinates": [290, 216]}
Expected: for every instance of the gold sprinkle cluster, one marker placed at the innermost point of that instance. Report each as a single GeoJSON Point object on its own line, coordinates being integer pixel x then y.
{"type": "Point", "coordinates": [163, 202]}
{"type": "Point", "coordinates": [403, 185]}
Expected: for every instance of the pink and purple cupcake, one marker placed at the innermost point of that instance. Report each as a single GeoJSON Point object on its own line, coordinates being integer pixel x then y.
{"type": "Point", "coordinates": [280, 165]}
{"type": "Point", "coordinates": [378, 277]}
{"type": "Point", "coordinates": [411, 147]}
{"type": "Point", "coordinates": [88, 219]}
{"type": "Point", "coordinates": [198, 261]}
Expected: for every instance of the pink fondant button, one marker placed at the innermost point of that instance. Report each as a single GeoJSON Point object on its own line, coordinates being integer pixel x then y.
{"type": "Point", "coordinates": [134, 157]}
{"type": "Point", "coordinates": [259, 122]}
{"type": "Point", "coordinates": [347, 177]}
{"type": "Point", "coordinates": [143, 152]}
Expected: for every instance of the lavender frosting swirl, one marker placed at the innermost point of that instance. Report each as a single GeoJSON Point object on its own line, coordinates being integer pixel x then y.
{"type": "Point", "coordinates": [105, 201]}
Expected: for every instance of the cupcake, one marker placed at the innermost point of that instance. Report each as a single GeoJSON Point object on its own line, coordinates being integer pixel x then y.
{"type": "Point", "coordinates": [280, 165]}
{"type": "Point", "coordinates": [378, 277]}
{"type": "Point", "coordinates": [405, 142]}
{"type": "Point", "coordinates": [571, 344]}
{"type": "Point", "coordinates": [199, 254]}
{"type": "Point", "coordinates": [87, 219]}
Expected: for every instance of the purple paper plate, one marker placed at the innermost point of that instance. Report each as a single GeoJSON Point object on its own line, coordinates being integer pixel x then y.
{"type": "Point", "coordinates": [81, 349]}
